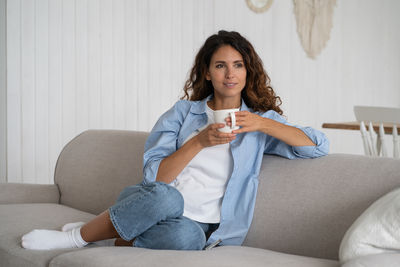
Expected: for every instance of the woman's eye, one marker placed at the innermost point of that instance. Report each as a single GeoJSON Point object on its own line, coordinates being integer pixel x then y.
{"type": "Point", "coordinates": [218, 66]}
{"type": "Point", "coordinates": [239, 65]}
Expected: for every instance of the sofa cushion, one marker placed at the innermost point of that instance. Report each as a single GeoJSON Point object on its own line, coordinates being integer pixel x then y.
{"type": "Point", "coordinates": [377, 260]}
{"type": "Point", "coordinates": [19, 219]}
{"type": "Point", "coordinates": [228, 256]}
{"type": "Point", "coordinates": [375, 231]}
{"type": "Point", "coordinates": [13, 193]}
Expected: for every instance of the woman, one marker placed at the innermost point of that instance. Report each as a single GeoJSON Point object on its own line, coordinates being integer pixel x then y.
{"type": "Point", "coordinates": [200, 184]}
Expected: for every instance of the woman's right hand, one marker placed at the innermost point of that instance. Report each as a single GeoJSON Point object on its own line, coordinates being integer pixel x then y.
{"type": "Point", "coordinates": [210, 136]}
{"type": "Point", "coordinates": [171, 166]}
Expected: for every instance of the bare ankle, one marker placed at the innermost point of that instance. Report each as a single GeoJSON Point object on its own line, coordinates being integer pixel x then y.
{"type": "Point", "coordinates": [119, 242]}
{"type": "Point", "coordinates": [100, 228]}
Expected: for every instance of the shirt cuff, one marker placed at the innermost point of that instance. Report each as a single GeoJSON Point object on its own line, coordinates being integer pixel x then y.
{"type": "Point", "coordinates": [321, 147]}
{"type": "Point", "coordinates": [150, 171]}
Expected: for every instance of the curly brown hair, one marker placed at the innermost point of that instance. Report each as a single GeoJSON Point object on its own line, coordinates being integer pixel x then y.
{"type": "Point", "coordinates": [257, 94]}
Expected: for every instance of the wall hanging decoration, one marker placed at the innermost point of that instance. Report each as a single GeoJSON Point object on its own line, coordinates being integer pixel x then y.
{"type": "Point", "coordinates": [259, 6]}
{"type": "Point", "coordinates": [314, 23]}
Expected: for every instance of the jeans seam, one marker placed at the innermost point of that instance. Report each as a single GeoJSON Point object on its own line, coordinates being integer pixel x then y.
{"type": "Point", "coordinates": [113, 215]}
{"type": "Point", "coordinates": [116, 226]}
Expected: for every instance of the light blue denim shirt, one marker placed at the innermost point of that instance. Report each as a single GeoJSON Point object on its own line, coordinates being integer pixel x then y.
{"type": "Point", "coordinates": [174, 126]}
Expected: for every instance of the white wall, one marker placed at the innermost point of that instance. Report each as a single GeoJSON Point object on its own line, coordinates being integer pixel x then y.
{"type": "Point", "coordinates": [3, 101]}
{"type": "Point", "coordinates": [77, 65]}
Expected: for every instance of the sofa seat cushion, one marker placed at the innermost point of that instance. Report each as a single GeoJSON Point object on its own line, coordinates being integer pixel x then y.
{"type": "Point", "coordinates": [375, 260]}
{"type": "Point", "coordinates": [226, 256]}
{"type": "Point", "coordinates": [19, 219]}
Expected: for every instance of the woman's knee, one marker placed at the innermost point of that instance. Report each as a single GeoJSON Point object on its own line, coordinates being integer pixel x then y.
{"type": "Point", "coordinates": [166, 197]}
{"type": "Point", "coordinates": [170, 198]}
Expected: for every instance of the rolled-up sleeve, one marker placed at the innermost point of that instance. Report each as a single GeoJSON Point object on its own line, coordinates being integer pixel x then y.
{"type": "Point", "coordinates": [278, 147]}
{"type": "Point", "coordinates": [161, 142]}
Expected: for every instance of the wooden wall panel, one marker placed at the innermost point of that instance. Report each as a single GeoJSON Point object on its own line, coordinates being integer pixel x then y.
{"type": "Point", "coordinates": [3, 93]}
{"type": "Point", "coordinates": [55, 81]}
{"type": "Point", "coordinates": [82, 65]}
{"type": "Point", "coordinates": [14, 109]}
{"type": "Point", "coordinates": [41, 99]}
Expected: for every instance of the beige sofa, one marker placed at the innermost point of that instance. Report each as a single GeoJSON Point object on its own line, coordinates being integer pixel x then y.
{"type": "Point", "coordinates": [303, 207]}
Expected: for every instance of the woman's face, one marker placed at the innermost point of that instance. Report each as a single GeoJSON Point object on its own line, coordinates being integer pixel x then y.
{"type": "Point", "coordinates": [227, 72]}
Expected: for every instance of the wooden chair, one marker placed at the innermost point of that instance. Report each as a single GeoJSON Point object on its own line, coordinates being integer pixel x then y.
{"type": "Point", "coordinates": [374, 143]}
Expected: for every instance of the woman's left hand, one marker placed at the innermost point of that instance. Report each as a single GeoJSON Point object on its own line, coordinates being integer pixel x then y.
{"type": "Point", "coordinates": [249, 122]}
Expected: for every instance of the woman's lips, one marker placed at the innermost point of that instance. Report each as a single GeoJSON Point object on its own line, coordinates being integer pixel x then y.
{"type": "Point", "coordinates": [230, 85]}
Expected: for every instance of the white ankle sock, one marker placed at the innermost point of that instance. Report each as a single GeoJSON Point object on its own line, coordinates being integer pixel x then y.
{"type": "Point", "coordinates": [70, 226]}
{"type": "Point", "coordinates": [102, 243]}
{"type": "Point", "coordinates": [50, 239]}
{"type": "Point", "coordinates": [77, 237]}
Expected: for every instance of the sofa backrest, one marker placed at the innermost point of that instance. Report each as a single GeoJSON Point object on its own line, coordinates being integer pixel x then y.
{"type": "Point", "coordinates": [95, 166]}
{"type": "Point", "coordinates": [303, 207]}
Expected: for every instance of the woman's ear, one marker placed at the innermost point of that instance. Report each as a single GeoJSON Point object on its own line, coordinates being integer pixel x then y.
{"type": "Point", "coordinates": [208, 76]}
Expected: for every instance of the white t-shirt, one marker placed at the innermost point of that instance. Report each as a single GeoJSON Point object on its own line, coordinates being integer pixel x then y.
{"type": "Point", "coordinates": [203, 181]}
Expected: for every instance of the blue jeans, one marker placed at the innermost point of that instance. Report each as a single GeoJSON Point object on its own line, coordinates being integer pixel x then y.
{"type": "Point", "coordinates": [153, 214]}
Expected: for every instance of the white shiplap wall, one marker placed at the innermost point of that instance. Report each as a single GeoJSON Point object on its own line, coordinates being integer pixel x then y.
{"type": "Point", "coordinates": [3, 94]}
{"type": "Point", "coordinates": [84, 64]}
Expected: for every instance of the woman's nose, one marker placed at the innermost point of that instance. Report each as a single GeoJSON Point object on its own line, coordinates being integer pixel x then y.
{"type": "Point", "coordinates": [229, 73]}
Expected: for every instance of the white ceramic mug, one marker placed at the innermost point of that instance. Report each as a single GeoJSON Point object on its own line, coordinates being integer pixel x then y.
{"type": "Point", "coordinates": [221, 115]}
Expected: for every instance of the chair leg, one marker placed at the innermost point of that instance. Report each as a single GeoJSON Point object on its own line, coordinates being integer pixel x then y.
{"type": "Point", "coordinates": [382, 138]}
{"type": "Point", "coordinates": [364, 135]}
{"type": "Point", "coordinates": [396, 148]}
{"type": "Point", "coordinates": [372, 139]}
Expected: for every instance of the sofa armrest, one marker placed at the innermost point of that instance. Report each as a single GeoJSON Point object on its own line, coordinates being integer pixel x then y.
{"type": "Point", "coordinates": [12, 193]}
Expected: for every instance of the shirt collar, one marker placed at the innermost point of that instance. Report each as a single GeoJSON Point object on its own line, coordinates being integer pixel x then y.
{"type": "Point", "coordinates": [199, 107]}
